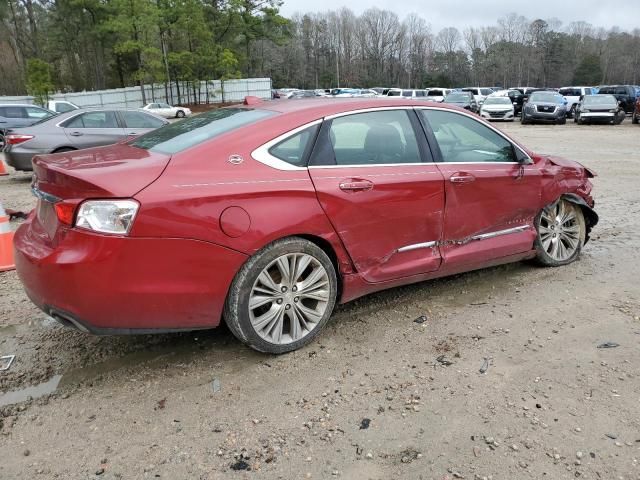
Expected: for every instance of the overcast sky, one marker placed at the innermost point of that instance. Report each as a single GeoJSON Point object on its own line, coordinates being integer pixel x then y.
{"type": "Point", "coordinates": [464, 13]}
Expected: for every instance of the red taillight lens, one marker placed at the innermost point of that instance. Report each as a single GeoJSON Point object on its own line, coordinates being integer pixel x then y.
{"type": "Point", "coordinates": [15, 139]}
{"type": "Point", "coordinates": [65, 212]}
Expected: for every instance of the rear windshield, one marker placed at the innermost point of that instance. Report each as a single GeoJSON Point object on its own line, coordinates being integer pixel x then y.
{"type": "Point", "coordinates": [181, 135]}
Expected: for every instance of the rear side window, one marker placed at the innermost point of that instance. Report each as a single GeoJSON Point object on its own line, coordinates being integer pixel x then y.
{"type": "Point", "coordinates": [194, 130]}
{"type": "Point", "coordinates": [420, 93]}
{"type": "Point", "coordinates": [93, 120]}
{"type": "Point", "coordinates": [140, 120]}
{"type": "Point", "coordinates": [435, 93]}
{"type": "Point", "coordinates": [294, 150]}
{"type": "Point", "coordinates": [13, 112]}
{"type": "Point", "coordinates": [374, 138]}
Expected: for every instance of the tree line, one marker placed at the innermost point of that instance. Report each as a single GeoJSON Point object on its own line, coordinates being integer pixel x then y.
{"type": "Point", "coordinates": [75, 45]}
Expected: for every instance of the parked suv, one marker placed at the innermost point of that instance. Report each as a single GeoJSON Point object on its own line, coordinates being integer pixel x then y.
{"type": "Point", "coordinates": [626, 95]}
{"type": "Point", "coordinates": [573, 95]}
{"type": "Point", "coordinates": [20, 115]}
{"type": "Point", "coordinates": [544, 107]}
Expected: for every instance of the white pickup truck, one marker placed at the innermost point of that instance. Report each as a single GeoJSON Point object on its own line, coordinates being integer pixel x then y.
{"type": "Point", "coordinates": [573, 95]}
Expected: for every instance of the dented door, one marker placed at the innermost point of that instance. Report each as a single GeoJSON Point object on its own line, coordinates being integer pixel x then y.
{"type": "Point", "coordinates": [383, 197]}
{"type": "Point", "coordinates": [492, 191]}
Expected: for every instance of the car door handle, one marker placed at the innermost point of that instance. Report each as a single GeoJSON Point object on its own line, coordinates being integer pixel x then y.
{"type": "Point", "coordinates": [133, 133]}
{"type": "Point", "coordinates": [462, 177]}
{"type": "Point", "coordinates": [76, 134]}
{"type": "Point", "coordinates": [356, 185]}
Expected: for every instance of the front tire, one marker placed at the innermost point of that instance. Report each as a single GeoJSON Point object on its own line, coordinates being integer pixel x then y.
{"type": "Point", "coordinates": [180, 114]}
{"type": "Point", "coordinates": [634, 118]}
{"type": "Point", "coordinates": [561, 233]}
{"type": "Point", "coordinates": [282, 296]}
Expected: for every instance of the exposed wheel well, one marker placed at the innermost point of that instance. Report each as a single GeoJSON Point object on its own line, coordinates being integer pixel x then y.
{"type": "Point", "coordinates": [63, 149]}
{"type": "Point", "coordinates": [328, 249]}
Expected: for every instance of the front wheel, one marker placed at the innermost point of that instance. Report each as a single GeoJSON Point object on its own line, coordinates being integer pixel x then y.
{"type": "Point", "coordinates": [561, 233]}
{"type": "Point", "coordinates": [180, 114]}
{"type": "Point", "coordinates": [282, 297]}
{"type": "Point", "coordinates": [634, 118]}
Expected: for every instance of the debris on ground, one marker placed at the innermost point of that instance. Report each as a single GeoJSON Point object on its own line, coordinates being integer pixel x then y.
{"type": "Point", "coordinates": [364, 424]}
{"type": "Point", "coordinates": [609, 345]}
{"type": "Point", "coordinates": [485, 365]}
{"type": "Point", "coordinates": [240, 465]}
{"type": "Point", "coordinates": [215, 385]}
{"type": "Point", "coordinates": [442, 360]}
{"type": "Point", "coordinates": [420, 319]}
{"type": "Point", "coordinates": [16, 214]}
{"type": "Point", "coordinates": [6, 361]}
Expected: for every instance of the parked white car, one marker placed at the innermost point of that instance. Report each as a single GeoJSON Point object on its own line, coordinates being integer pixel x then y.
{"type": "Point", "coordinates": [167, 111]}
{"type": "Point", "coordinates": [498, 108]}
{"type": "Point", "coordinates": [61, 106]}
{"type": "Point", "coordinates": [437, 94]}
{"type": "Point", "coordinates": [573, 95]}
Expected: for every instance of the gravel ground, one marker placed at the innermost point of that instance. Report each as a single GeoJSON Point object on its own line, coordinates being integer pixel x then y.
{"type": "Point", "coordinates": [377, 396]}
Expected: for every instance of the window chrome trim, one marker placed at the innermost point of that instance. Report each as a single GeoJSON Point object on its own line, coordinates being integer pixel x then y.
{"type": "Point", "coordinates": [368, 110]}
{"type": "Point", "coordinates": [262, 155]}
{"type": "Point", "coordinates": [491, 127]}
{"type": "Point", "coordinates": [416, 246]}
{"type": "Point", "coordinates": [417, 164]}
{"type": "Point", "coordinates": [82, 112]}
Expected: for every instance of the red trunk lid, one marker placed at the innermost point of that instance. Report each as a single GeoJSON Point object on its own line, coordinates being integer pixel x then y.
{"type": "Point", "coordinates": [106, 172]}
{"type": "Point", "coordinates": [117, 171]}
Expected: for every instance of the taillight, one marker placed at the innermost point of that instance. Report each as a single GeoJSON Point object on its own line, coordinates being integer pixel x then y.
{"type": "Point", "coordinates": [15, 138]}
{"type": "Point", "coordinates": [65, 212]}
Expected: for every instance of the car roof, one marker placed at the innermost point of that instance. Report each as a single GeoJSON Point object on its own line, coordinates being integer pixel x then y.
{"type": "Point", "coordinates": [20, 105]}
{"type": "Point", "coordinates": [329, 106]}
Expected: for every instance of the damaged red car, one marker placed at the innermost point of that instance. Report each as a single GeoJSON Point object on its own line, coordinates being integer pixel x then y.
{"type": "Point", "coordinates": [268, 214]}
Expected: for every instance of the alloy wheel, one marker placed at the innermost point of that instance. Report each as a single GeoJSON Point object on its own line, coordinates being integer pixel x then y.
{"type": "Point", "coordinates": [560, 231]}
{"type": "Point", "coordinates": [289, 298]}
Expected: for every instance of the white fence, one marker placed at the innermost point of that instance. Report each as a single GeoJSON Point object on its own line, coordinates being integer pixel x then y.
{"type": "Point", "coordinates": [211, 91]}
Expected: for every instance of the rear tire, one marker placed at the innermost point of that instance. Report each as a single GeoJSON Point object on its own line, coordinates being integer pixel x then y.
{"type": "Point", "coordinates": [64, 149]}
{"type": "Point", "coordinates": [634, 118]}
{"type": "Point", "coordinates": [282, 296]}
{"type": "Point", "coordinates": [561, 233]}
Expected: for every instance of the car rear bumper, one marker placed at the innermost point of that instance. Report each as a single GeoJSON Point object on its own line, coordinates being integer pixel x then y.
{"type": "Point", "coordinates": [19, 160]}
{"type": "Point", "coordinates": [109, 284]}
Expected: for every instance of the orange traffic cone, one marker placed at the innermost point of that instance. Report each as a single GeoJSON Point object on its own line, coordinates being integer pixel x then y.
{"type": "Point", "coordinates": [3, 167]}
{"type": "Point", "coordinates": [6, 243]}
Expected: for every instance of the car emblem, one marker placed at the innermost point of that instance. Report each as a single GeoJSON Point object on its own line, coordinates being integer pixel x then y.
{"type": "Point", "coordinates": [236, 159]}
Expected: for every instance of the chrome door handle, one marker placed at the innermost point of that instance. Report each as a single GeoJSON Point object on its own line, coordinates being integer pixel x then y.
{"type": "Point", "coordinates": [462, 178]}
{"type": "Point", "coordinates": [76, 134]}
{"type": "Point", "coordinates": [356, 185]}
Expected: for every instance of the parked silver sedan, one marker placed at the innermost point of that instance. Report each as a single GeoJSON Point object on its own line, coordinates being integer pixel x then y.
{"type": "Point", "coordinates": [75, 130]}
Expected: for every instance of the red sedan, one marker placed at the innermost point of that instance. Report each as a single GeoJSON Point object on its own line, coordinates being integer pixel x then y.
{"type": "Point", "coordinates": [268, 214]}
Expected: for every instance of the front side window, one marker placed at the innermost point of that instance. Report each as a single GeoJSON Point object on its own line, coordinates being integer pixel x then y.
{"type": "Point", "coordinates": [179, 136]}
{"type": "Point", "coordinates": [93, 120]}
{"type": "Point", "coordinates": [374, 138]}
{"type": "Point", "coordinates": [63, 107]}
{"type": "Point", "coordinates": [464, 139]}
{"type": "Point", "coordinates": [140, 120]}
{"type": "Point", "coordinates": [39, 113]}
{"type": "Point", "coordinates": [435, 93]}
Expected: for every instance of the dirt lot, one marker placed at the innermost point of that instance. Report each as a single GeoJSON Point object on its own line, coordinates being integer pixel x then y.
{"type": "Point", "coordinates": [368, 399]}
